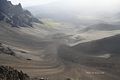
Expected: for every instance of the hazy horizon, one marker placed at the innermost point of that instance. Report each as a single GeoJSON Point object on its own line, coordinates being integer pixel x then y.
{"type": "Point", "coordinates": [85, 7]}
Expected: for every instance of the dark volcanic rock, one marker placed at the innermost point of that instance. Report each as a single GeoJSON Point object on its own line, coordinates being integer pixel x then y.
{"type": "Point", "coordinates": [6, 50]}
{"type": "Point", "coordinates": [16, 15]}
{"type": "Point", "coordinates": [8, 73]}
{"type": "Point", "coordinates": [1, 16]}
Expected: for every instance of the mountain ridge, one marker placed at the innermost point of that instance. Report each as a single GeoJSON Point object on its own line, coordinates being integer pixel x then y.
{"type": "Point", "coordinates": [16, 15]}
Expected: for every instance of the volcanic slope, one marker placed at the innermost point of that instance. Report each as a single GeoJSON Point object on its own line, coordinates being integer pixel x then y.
{"type": "Point", "coordinates": [102, 54]}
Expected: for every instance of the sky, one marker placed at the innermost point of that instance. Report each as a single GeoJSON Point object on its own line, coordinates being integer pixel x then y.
{"type": "Point", "coordinates": [27, 3]}
{"type": "Point", "coordinates": [76, 5]}
{"type": "Point", "coordinates": [79, 3]}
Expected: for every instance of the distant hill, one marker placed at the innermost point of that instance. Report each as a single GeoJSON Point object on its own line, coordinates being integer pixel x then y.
{"type": "Point", "coordinates": [108, 45]}
{"type": "Point", "coordinates": [102, 27]}
{"type": "Point", "coordinates": [15, 14]}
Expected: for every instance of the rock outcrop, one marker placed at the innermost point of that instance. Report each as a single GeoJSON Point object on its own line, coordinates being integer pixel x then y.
{"type": "Point", "coordinates": [6, 50]}
{"type": "Point", "coordinates": [9, 73]}
{"type": "Point", "coordinates": [16, 15]}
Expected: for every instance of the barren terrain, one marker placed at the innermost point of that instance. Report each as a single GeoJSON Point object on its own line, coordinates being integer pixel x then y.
{"type": "Point", "coordinates": [40, 58]}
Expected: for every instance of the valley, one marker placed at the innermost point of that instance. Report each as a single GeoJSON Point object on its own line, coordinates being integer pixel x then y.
{"type": "Point", "coordinates": [48, 45]}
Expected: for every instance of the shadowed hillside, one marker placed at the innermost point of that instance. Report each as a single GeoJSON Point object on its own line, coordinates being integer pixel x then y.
{"type": "Point", "coordinates": [102, 46]}
{"type": "Point", "coordinates": [103, 27]}
{"type": "Point", "coordinates": [100, 54]}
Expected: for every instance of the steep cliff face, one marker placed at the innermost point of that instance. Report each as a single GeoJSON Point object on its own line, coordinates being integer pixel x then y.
{"type": "Point", "coordinates": [15, 14]}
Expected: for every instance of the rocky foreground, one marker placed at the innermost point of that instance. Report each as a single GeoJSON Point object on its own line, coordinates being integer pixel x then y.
{"type": "Point", "coordinates": [9, 73]}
